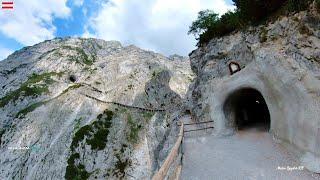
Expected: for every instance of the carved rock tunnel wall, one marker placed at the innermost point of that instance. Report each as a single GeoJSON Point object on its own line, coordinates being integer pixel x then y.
{"type": "Point", "coordinates": [246, 108]}
{"type": "Point", "coordinates": [289, 110]}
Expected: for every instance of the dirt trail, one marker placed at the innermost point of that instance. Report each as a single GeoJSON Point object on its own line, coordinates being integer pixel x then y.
{"type": "Point", "coordinates": [250, 154]}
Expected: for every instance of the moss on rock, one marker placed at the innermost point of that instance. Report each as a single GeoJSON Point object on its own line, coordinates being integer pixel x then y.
{"type": "Point", "coordinates": [82, 56]}
{"type": "Point", "coordinates": [35, 85]}
{"type": "Point", "coordinates": [28, 109]}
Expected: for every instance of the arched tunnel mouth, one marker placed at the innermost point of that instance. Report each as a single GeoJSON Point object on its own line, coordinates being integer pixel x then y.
{"type": "Point", "coordinates": [246, 109]}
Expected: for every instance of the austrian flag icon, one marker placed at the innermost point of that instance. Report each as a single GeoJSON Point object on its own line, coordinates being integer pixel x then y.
{"type": "Point", "coordinates": [7, 4]}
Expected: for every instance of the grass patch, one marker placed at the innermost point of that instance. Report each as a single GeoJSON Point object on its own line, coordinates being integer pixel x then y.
{"type": "Point", "coordinates": [73, 86]}
{"type": "Point", "coordinates": [28, 109]}
{"type": "Point", "coordinates": [156, 72]}
{"type": "Point", "coordinates": [134, 128]}
{"type": "Point", "coordinates": [35, 85]}
{"type": "Point", "coordinates": [147, 115]}
{"type": "Point", "coordinates": [47, 53]}
{"type": "Point", "coordinates": [32, 107]}
{"type": "Point", "coordinates": [82, 56]}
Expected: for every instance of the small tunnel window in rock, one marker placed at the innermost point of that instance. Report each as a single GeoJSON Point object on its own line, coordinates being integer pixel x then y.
{"type": "Point", "coordinates": [72, 78]}
{"type": "Point", "coordinates": [246, 108]}
{"type": "Point", "coordinates": [234, 67]}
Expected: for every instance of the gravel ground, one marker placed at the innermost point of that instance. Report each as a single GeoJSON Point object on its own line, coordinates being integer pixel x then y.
{"type": "Point", "coordinates": [250, 154]}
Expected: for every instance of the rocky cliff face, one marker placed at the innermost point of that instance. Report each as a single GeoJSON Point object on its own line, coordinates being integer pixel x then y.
{"type": "Point", "coordinates": [281, 60]}
{"type": "Point", "coordinates": [55, 120]}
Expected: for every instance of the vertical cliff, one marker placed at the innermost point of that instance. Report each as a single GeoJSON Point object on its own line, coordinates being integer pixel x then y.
{"type": "Point", "coordinates": [280, 60]}
{"type": "Point", "coordinates": [84, 108]}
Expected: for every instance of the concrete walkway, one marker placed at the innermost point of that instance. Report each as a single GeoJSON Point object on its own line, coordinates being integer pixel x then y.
{"type": "Point", "coordinates": [250, 154]}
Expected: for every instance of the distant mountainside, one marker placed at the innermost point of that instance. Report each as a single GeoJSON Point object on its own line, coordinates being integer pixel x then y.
{"type": "Point", "coordinates": [67, 110]}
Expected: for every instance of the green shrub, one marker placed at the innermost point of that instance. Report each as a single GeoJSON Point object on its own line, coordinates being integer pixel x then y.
{"type": "Point", "coordinates": [96, 134]}
{"type": "Point", "coordinates": [134, 128]}
{"type": "Point", "coordinates": [121, 164]}
{"type": "Point", "coordinates": [318, 5]}
{"type": "Point", "coordinates": [253, 11]}
{"type": "Point", "coordinates": [79, 136]}
{"type": "Point", "coordinates": [298, 5]}
{"type": "Point", "coordinates": [81, 57]}
{"type": "Point", "coordinates": [222, 26]}
{"type": "Point", "coordinates": [206, 19]}
{"type": "Point", "coordinates": [248, 12]}
{"type": "Point", "coordinates": [147, 115]}
{"type": "Point", "coordinates": [263, 35]}
{"type": "Point", "coordinates": [75, 172]}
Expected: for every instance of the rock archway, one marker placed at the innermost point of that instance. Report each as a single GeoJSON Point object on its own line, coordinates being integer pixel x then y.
{"type": "Point", "coordinates": [292, 105]}
{"type": "Point", "coordinates": [247, 108]}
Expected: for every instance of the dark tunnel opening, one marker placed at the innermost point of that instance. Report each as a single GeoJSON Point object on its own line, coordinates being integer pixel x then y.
{"type": "Point", "coordinates": [246, 108]}
{"type": "Point", "coordinates": [72, 78]}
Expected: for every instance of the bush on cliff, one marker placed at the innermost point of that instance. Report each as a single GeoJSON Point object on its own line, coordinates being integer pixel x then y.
{"type": "Point", "coordinates": [248, 12]}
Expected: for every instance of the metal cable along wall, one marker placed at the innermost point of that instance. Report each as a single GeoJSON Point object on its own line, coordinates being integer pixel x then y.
{"type": "Point", "coordinates": [126, 106]}
{"type": "Point", "coordinates": [116, 103]}
{"type": "Point", "coordinates": [177, 148]}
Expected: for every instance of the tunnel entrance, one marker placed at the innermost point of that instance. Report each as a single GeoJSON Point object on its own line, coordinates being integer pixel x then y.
{"type": "Point", "coordinates": [246, 109]}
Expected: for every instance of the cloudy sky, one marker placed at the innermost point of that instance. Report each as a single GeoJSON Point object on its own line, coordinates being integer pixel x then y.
{"type": "Point", "coordinates": [158, 25]}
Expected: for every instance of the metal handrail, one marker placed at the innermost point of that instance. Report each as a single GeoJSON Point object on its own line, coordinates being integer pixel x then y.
{"type": "Point", "coordinates": [199, 129]}
{"type": "Point", "coordinates": [186, 124]}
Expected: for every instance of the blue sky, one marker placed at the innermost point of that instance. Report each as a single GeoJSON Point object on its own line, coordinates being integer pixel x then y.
{"type": "Point", "coordinates": [158, 25]}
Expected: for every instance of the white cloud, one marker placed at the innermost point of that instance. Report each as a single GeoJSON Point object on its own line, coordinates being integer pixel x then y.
{"type": "Point", "coordinates": [159, 25]}
{"type": "Point", "coordinates": [31, 21]}
{"type": "Point", "coordinates": [4, 53]}
{"type": "Point", "coordinates": [78, 2]}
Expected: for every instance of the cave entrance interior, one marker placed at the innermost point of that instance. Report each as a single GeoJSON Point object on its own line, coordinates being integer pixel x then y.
{"type": "Point", "coordinates": [247, 109]}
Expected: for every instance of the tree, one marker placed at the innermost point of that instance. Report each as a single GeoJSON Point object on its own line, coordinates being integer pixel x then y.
{"type": "Point", "coordinates": [205, 20]}
{"type": "Point", "coordinates": [255, 10]}
{"type": "Point", "coordinates": [248, 12]}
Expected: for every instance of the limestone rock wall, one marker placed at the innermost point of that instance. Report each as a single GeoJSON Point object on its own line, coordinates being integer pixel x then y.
{"type": "Point", "coordinates": [51, 129]}
{"type": "Point", "coordinates": [282, 61]}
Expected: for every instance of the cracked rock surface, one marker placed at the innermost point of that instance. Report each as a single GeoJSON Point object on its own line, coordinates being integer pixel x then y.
{"type": "Point", "coordinates": [50, 128]}
{"type": "Point", "coordinates": [281, 61]}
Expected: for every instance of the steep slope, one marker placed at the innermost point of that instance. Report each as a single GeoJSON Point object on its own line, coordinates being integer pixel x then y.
{"type": "Point", "coordinates": [281, 61]}
{"type": "Point", "coordinates": [57, 119]}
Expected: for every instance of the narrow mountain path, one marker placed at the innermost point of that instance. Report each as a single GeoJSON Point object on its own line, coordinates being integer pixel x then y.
{"type": "Point", "coordinates": [250, 154]}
